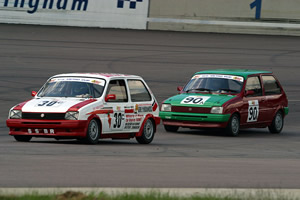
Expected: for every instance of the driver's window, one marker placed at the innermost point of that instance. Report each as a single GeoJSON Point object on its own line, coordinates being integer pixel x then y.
{"type": "Point", "coordinates": [118, 88]}
{"type": "Point", "coordinates": [253, 84]}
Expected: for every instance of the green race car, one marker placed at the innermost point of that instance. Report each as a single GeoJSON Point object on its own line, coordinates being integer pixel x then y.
{"type": "Point", "coordinates": [229, 99]}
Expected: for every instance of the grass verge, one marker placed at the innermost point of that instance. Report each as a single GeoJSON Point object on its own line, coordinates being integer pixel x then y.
{"type": "Point", "coordinates": [152, 195]}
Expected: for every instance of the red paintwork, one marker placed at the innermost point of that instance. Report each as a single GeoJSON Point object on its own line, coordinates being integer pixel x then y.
{"type": "Point", "coordinates": [72, 128]}
{"type": "Point", "coordinates": [110, 97]}
{"type": "Point", "coordinates": [193, 124]}
{"type": "Point", "coordinates": [33, 93]}
{"type": "Point", "coordinates": [20, 105]}
{"type": "Point", "coordinates": [156, 122]}
{"type": "Point", "coordinates": [76, 107]}
{"type": "Point", "coordinates": [129, 111]}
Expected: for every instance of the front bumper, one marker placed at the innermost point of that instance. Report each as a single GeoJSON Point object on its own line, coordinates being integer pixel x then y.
{"type": "Point", "coordinates": [195, 120]}
{"type": "Point", "coordinates": [47, 128]}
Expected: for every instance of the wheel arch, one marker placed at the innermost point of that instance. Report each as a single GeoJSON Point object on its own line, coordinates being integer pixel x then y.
{"type": "Point", "coordinates": [98, 120]}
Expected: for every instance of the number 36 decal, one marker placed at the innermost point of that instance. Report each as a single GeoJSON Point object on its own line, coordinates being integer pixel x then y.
{"type": "Point", "coordinates": [200, 100]}
{"type": "Point", "coordinates": [49, 103]}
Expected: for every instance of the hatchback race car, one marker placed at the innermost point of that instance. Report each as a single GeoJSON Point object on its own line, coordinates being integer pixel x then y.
{"type": "Point", "coordinates": [88, 107]}
{"type": "Point", "coordinates": [229, 99]}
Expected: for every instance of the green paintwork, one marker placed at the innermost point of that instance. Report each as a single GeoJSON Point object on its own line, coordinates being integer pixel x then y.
{"type": "Point", "coordinates": [236, 72]}
{"type": "Point", "coordinates": [286, 110]}
{"type": "Point", "coordinates": [214, 99]}
{"type": "Point", "coordinates": [194, 117]}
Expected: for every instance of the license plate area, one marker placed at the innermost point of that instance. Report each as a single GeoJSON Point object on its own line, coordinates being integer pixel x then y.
{"type": "Point", "coordinates": [40, 131]}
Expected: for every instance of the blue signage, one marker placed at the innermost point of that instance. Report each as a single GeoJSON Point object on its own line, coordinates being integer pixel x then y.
{"type": "Point", "coordinates": [256, 4]}
{"type": "Point", "coordinates": [33, 5]}
{"type": "Point", "coordinates": [132, 3]}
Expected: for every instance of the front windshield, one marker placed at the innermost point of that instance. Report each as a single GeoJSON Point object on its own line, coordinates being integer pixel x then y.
{"type": "Point", "coordinates": [73, 87]}
{"type": "Point", "coordinates": [216, 83]}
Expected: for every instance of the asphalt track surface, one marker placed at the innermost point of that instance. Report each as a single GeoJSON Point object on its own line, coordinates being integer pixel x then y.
{"type": "Point", "coordinates": [187, 159]}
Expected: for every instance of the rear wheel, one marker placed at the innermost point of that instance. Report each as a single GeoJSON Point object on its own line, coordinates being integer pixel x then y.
{"type": "Point", "coordinates": [233, 127]}
{"type": "Point", "coordinates": [148, 133]}
{"type": "Point", "coordinates": [22, 138]}
{"type": "Point", "coordinates": [277, 123]}
{"type": "Point", "coordinates": [171, 128]}
{"type": "Point", "coordinates": [93, 132]}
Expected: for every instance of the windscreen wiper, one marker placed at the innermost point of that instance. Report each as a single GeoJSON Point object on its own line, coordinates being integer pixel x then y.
{"type": "Point", "coordinates": [228, 90]}
{"type": "Point", "coordinates": [199, 89]}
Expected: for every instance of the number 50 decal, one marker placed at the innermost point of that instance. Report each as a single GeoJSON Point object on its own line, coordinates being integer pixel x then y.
{"type": "Point", "coordinates": [253, 111]}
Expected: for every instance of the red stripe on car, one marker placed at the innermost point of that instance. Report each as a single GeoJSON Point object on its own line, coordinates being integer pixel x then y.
{"type": "Point", "coordinates": [76, 107]}
{"type": "Point", "coordinates": [129, 110]}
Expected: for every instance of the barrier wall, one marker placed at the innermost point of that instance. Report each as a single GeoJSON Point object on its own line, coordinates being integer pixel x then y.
{"type": "Point", "coordinates": [231, 16]}
{"type": "Point", "coordinates": [87, 13]}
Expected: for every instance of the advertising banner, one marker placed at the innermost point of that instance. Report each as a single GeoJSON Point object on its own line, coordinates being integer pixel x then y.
{"type": "Point", "coordinates": [131, 14]}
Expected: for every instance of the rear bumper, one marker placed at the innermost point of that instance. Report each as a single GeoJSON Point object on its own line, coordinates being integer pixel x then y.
{"type": "Point", "coordinates": [47, 128]}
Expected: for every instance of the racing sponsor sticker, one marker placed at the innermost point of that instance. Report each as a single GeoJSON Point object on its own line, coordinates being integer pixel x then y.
{"type": "Point", "coordinates": [133, 121]}
{"type": "Point", "coordinates": [237, 78]}
{"type": "Point", "coordinates": [85, 80]}
{"type": "Point", "coordinates": [200, 100]}
{"type": "Point", "coordinates": [253, 111]}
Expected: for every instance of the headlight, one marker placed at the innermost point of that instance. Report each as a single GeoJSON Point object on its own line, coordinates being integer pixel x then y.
{"type": "Point", "coordinates": [71, 115]}
{"type": "Point", "coordinates": [166, 107]}
{"type": "Point", "coordinates": [216, 110]}
{"type": "Point", "coordinates": [15, 114]}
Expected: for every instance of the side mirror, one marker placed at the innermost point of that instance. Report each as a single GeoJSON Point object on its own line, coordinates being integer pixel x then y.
{"type": "Point", "coordinates": [33, 93]}
{"type": "Point", "coordinates": [179, 88]}
{"type": "Point", "coordinates": [249, 93]}
{"type": "Point", "coordinates": [110, 97]}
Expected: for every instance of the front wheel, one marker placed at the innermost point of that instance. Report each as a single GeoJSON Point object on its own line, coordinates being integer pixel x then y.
{"type": "Point", "coordinates": [277, 123]}
{"type": "Point", "coordinates": [233, 127]}
{"type": "Point", "coordinates": [22, 138]}
{"type": "Point", "coordinates": [93, 132]}
{"type": "Point", "coordinates": [148, 133]}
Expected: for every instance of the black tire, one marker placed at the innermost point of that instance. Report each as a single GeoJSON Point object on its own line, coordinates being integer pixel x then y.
{"type": "Point", "coordinates": [148, 133]}
{"type": "Point", "coordinates": [171, 128]}
{"type": "Point", "coordinates": [93, 132]}
{"type": "Point", "coordinates": [277, 123]}
{"type": "Point", "coordinates": [22, 138]}
{"type": "Point", "coordinates": [233, 127]}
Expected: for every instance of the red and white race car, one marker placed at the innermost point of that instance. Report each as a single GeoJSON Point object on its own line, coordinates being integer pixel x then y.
{"type": "Point", "coordinates": [88, 106]}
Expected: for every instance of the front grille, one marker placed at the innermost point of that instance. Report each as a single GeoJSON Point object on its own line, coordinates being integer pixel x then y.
{"type": "Point", "coordinates": [187, 109]}
{"type": "Point", "coordinates": [48, 116]}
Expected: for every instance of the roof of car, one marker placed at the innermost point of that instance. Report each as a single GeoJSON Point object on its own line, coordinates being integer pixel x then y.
{"type": "Point", "coordinates": [97, 75]}
{"type": "Point", "coordinates": [236, 72]}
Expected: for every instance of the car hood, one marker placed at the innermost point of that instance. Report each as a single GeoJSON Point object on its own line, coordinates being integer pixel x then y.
{"type": "Point", "coordinates": [50, 105]}
{"type": "Point", "coordinates": [199, 100]}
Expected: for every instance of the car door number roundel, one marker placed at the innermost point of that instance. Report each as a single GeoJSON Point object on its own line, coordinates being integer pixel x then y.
{"type": "Point", "coordinates": [200, 100]}
{"type": "Point", "coordinates": [253, 111]}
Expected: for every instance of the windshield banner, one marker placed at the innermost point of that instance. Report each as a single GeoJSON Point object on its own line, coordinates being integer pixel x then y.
{"type": "Point", "coordinates": [75, 79]}
{"type": "Point", "coordinates": [237, 78]}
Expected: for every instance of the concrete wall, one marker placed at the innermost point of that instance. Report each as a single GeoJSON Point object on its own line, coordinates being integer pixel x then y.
{"type": "Point", "coordinates": [279, 17]}
{"type": "Point", "coordinates": [88, 13]}
{"type": "Point", "coordinates": [231, 16]}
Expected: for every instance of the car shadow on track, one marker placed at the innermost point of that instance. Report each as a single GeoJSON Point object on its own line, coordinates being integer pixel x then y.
{"type": "Point", "coordinates": [77, 142]}
{"type": "Point", "coordinates": [247, 133]}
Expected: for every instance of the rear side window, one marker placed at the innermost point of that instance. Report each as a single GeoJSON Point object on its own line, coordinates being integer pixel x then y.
{"type": "Point", "coordinates": [138, 91]}
{"type": "Point", "coordinates": [270, 85]}
{"type": "Point", "coordinates": [118, 88]}
{"type": "Point", "coordinates": [253, 83]}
